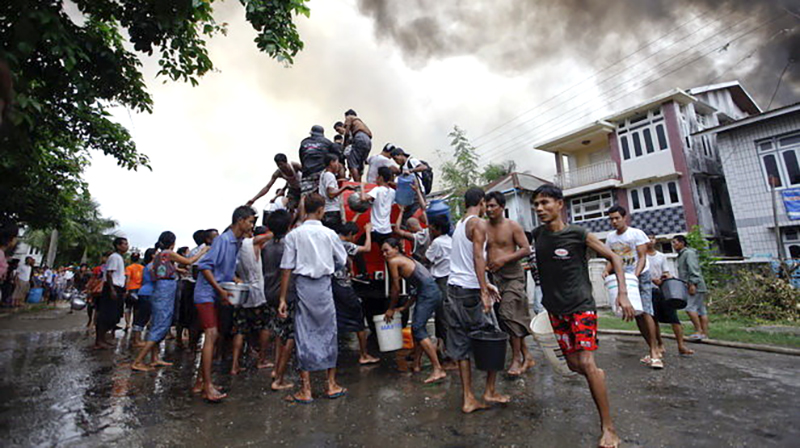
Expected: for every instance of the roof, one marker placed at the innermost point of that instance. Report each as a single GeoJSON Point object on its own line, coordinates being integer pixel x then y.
{"type": "Point", "coordinates": [518, 181]}
{"type": "Point", "coordinates": [753, 119]}
{"type": "Point", "coordinates": [738, 93]}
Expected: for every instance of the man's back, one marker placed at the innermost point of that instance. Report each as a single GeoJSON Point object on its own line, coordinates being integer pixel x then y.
{"type": "Point", "coordinates": [312, 153]}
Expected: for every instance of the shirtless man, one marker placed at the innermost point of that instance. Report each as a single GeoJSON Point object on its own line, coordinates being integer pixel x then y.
{"type": "Point", "coordinates": [506, 245]}
{"type": "Point", "coordinates": [291, 173]}
{"type": "Point", "coordinates": [358, 134]}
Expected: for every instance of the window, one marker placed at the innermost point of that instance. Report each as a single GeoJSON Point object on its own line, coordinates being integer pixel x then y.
{"type": "Point", "coordinates": [653, 196]}
{"type": "Point", "coordinates": [700, 191]}
{"type": "Point", "coordinates": [779, 160]}
{"type": "Point", "coordinates": [645, 132]}
{"type": "Point", "coordinates": [591, 206]}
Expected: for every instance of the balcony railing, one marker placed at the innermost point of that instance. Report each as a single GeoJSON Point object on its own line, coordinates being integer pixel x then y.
{"type": "Point", "coordinates": [589, 174]}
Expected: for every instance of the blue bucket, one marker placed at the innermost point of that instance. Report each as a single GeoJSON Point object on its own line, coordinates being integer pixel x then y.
{"type": "Point", "coordinates": [35, 295]}
{"type": "Point", "coordinates": [405, 194]}
{"type": "Point", "coordinates": [438, 207]}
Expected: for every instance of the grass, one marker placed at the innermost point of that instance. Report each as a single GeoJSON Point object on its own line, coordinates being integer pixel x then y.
{"type": "Point", "coordinates": [30, 308]}
{"type": "Point", "coordinates": [724, 328]}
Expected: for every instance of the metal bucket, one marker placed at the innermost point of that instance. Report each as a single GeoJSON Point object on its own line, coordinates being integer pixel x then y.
{"type": "Point", "coordinates": [675, 292]}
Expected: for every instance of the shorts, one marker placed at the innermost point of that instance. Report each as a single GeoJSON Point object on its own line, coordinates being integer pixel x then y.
{"type": "Point", "coordinates": [332, 220]}
{"type": "Point", "coordinates": [428, 299]}
{"type": "Point", "coordinates": [357, 157]}
{"type": "Point", "coordinates": [249, 320]}
{"type": "Point", "coordinates": [697, 304]}
{"type": "Point", "coordinates": [225, 319]}
{"type": "Point", "coordinates": [646, 292]}
{"type": "Point", "coordinates": [310, 184]}
{"type": "Point", "coordinates": [207, 315]}
{"type": "Point", "coordinates": [130, 299]}
{"type": "Point", "coordinates": [293, 196]}
{"type": "Point", "coordinates": [664, 313]}
{"type": "Point", "coordinates": [463, 314]}
{"type": "Point", "coordinates": [283, 328]}
{"type": "Point", "coordinates": [575, 332]}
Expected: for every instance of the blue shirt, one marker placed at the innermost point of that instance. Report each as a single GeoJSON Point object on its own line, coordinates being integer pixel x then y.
{"type": "Point", "coordinates": [221, 261]}
{"type": "Point", "coordinates": [147, 281]}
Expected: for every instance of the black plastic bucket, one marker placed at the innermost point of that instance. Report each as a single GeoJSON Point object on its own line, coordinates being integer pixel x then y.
{"type": "Point", "coordinates": [489, 349]}
{"type": "Point", "coordinates": [675, 293]}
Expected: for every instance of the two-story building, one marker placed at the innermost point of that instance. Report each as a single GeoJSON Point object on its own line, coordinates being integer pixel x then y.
{"type": "Point", "coordinates": [646, 159]}
{"type": "Point", "coordinates": [518, 189]}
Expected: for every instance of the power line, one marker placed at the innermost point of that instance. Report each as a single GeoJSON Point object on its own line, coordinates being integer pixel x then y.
{"type": "Point", "coordinates": [606, 79]}
{"type": "Point", "coordinates": [780, 78]}
{"type": "Point", "coordinates": [656, 79]}
{"type": "Point", "coordinates": [527, 134]}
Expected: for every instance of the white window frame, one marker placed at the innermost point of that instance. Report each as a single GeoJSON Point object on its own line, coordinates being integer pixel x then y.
{"type": "Point", "coordinates": [777, 151]}
{"type": "Point", "coordinates": [628, 131]}
{"type": "Point", "coordinates": [606, 200]}
{"type": "Point", "coordinates": [652, 186]}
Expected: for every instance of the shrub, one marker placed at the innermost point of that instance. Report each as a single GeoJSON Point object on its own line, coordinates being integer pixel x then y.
{"type": "Point", "coordinates": [757, 294]}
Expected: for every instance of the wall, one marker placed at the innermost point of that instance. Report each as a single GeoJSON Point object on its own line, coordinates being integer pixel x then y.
{"type": "Point", "coordinates": [519, 209]}
{"type": "Point", "coordinates": [750, 197]}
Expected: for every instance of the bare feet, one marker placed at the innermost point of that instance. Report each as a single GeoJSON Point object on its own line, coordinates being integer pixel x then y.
{"type": "Point", "coordinates": [235, 370]}
{"type": "Point", "coordinates": [685, 351]}
{"type": "Point", "coordinates": [281, 385]}
{"type": "Point", "coordinates": [495, 398]}
{"type": "Point", "coordinates": [138, 344]}
{"type": "Point", "coordinates": [436, 375]}
{"type": "Point", "coordinates": [450, 365]}
{"type": "Point", "coordinates": [212, 395]}
{"type": "Point", "coordinates": [473, 405]}
{"type": "Point", "coordinates": [265, 364]}
{"type": "Point", "coordinates": [141, 367]}
{"type": "Point", "coordinates": [198, 386]}
{"type": "Point", "coordinates": [368, 359]}
{"type": "Point", "coordinates": [515, 369]}
{"type": "Point", "coordinates": [609, 439]}
{"type": "Point", "coordinates": [529, 363]}
{"type": "Point", "coordinates": [160, 363]}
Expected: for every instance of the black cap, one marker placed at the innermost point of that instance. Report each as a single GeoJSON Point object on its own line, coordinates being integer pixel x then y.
{"type": "Point", "coordinates": [317, 130]}
{"type": "Point", "coordinates": [389, 147]}
{"type": "Point", "coordinates": [398, 151]}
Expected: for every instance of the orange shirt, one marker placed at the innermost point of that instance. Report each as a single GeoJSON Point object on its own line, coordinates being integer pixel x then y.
{"type": "Point", "coordinates": [134, 272]}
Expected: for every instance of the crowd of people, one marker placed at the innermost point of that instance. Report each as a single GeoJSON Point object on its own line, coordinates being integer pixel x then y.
{"type": "Point", "coordinates": [299, 269]}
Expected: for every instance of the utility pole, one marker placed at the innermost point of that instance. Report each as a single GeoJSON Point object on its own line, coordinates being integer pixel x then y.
{"type": "Point", "coordinates": [773, 182]}
{"type": "Point", "coordinates": [52, 249]}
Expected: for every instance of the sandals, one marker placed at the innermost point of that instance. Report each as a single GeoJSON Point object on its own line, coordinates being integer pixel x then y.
{"type": "Point", "coordinates": [294, 399]}
{"type": "Point", "coordinates": [655, 363]}
{"type": "Point", "coordinates": [336, 395]}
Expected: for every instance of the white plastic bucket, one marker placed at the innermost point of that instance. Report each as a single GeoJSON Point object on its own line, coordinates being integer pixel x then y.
{"type": "Point", "coordinates": [633, 293]}
{"type": "Point", "coordinates": [390, 336]}
{"type": "Point", "coordinates": [239, 290]}
{"type": "Point", "coordinates": [544, 336]}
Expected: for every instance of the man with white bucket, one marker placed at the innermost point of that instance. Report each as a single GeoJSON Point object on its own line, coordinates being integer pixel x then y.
{"type": "Point", "coordinates": [567, 295]}
{"type": "Point", "coordinates": [631, 245]}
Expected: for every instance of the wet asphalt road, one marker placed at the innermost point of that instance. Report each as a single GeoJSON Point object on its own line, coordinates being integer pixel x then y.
{"type": "Point", "coordinates": [55, 391]}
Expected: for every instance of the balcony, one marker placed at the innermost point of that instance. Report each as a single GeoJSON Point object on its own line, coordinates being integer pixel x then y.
{"type": "Point", "coordinates": [587, 175]}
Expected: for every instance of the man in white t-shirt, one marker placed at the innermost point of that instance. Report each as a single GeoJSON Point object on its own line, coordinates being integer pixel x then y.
{"type": "Point", "coordinates": [329, 189]}
{"type": "Point", "coordinates": [631, 245]}
{"type": "Point", "coordinates": [378, 161]}
{"type": "Point", "coordinates": [410, 165]}
{"type": "Point", "coordinates": [382, 199]}
{"type": "Point", "coordinates": [110, 304]}
{"type": "Point", "coordinates": [23, 282]}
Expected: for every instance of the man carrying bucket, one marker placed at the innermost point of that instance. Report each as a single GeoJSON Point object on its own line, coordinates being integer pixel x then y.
{"type": "Point", "coordinates": [631, 245]}
{"type": "Point", "coordinates": [567, 295]}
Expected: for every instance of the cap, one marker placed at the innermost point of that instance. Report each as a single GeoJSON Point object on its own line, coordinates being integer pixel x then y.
{"type": "Point", "coordinates": [389, 147]}
{"type": "Point", "coordinates": [397, 151]}
{"type": "Point", "coordinates": [317, 130]}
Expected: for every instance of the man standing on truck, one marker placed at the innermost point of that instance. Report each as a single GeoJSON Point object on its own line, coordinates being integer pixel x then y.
{"type": "Point", "coordinates": [360, 137]}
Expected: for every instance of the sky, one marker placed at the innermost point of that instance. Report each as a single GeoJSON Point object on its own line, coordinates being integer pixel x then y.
{"type": "Point", "coordinates": [412, 73]}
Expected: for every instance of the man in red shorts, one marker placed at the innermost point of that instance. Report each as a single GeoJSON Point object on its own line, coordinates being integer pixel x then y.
{"type": "Point", "coordinates": [567, 295]}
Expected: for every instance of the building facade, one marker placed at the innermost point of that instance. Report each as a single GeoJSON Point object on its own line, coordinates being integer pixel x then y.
{"type": "Point", "coordinates": [752, 151]}
{"type": "Point", "coordinates": [518, 189]}
{"type": "Point", "coordinates": [648, 159]}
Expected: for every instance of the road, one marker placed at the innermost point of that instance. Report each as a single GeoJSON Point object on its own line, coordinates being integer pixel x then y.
{"type": "Point", "coordinates": [54, 390]}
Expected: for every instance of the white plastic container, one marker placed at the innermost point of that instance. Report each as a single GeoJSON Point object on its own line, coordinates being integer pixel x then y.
{"type": "Point", "coordinates": [239, 290]}
{"type": "Point", "coordinates": [390, 336]}
{"type": "Point", "coordinates": [544, 336]}
{"type": "Point", "coordinates": [633, 293]}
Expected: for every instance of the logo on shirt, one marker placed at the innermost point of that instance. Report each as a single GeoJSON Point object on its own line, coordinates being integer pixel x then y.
{"type": "Point", "coordinates": [562, 253]}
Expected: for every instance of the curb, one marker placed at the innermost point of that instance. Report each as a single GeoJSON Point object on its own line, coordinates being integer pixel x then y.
{"type": "Point", "coordinates": [742, 345]}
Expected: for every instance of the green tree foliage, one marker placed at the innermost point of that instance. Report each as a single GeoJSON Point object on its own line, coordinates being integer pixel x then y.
{"type": "Point", "coordinates": [494, 171]}
{"type": "Point", "coordinates": [84, 235]}
{"type": "Point", "coordinates": [460, 172]}
{"type": "Point", "coordinates": [705, 253]}
{"type": "Point", "coordinates": [69, 66]}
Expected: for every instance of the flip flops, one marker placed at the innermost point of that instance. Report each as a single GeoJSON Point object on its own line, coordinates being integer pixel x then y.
{"type": "Point", "coordinates": [293, 399]}
{"type": "Point", "coordinates": [336, 395]}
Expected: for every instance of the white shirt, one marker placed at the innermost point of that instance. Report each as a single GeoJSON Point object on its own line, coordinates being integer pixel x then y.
{"type": "Point", "coordinates": [249, 269]}
{"type": "Point", "coordinates": [116, 266]}
{"type": "Point", "coordinates": [24, 272]}
{"type": "Point", "coordinates": [413, 163]}
{"type": "Point", "coordinates": [278, 204]}
{"type": "Point", "coordinates": [312, 250]}
{"type": "Point", "coordinates": [381, 212]}
{"type": "Point", "coordinates": [328, 180]}
{"type": "Point", "coordinates": [625, 246]}
{"type": "Point", "coordinates": [422, 240]}
{"type": "Point", "coordinates": [658, 265]}
{"type": "Point", "coordinates": [439, 255]}
{"type": "Point", "coordinates": [376, 162]}
{"type": "Point", "coordinates": [462, 260]}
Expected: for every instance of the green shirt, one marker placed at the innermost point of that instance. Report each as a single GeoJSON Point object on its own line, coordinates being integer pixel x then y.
{"type": "Point", "coordinates": [689, 269]}
{"type": "Point", "coordinates": [564, 270]}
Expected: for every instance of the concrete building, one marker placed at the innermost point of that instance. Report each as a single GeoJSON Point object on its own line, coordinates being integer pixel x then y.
{"type": "Point", "coordinates": [518, 189]}
{"type": "Point", "coordinates": [752, 150]}
{"type": "Point", "coordinates": [23, 250]}
{"type": "Point", "coordinates": [647, 159]}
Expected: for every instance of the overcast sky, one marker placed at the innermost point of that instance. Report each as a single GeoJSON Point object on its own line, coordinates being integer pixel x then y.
{"type": "Point", "coordinates": [211, 146]}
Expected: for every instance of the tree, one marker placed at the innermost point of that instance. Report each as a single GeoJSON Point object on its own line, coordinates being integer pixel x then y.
{"type": "Point", "coordinates": [461, 171]}
{"type": "Point", "coordinates": [69, 67]}
{"type": "Point", "coordinates": [494, 171]}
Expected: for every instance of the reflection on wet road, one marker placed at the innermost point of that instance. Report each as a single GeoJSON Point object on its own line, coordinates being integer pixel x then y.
{"type": "Point", "coordinates": [56, 391]}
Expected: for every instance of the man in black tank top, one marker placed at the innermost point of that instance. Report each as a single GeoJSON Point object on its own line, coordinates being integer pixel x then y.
{"type": "Point", "coordinates": [567, 290]}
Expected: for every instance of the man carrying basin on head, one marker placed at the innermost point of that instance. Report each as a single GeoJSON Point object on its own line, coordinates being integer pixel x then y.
{"type": "Point", "coordinates": [567, 295]}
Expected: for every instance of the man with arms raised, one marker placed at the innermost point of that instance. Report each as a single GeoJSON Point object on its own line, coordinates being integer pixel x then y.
{"type": "Point", "coordinates": [291, 172]}
{"type": "Point", "coordinates": [506, 245]}
{"type": "Point", "coordinates": [469, 299]}
{"type": "Point", "coordinates": [564, 269]}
